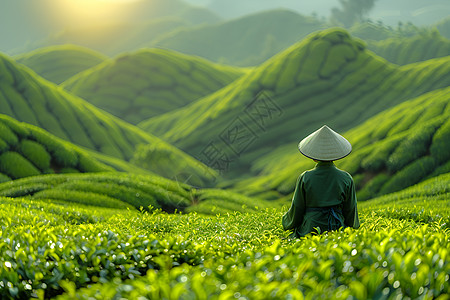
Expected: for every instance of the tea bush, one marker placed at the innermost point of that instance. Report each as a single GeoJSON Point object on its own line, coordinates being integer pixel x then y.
{"type": "Point", "coordinates": [137, 191]}
{"type": "Point", "coordinates": [26, 150]}
{"type": "Point", "coordinates": [36, 154]}
{"type": "Point", "coordinates": [16, 166]}
{"type": "Point", "coordinates": [72, 251]}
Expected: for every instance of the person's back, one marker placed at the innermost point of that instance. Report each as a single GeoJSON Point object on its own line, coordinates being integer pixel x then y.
{"type": "Point", "coordinates": [324, 198]}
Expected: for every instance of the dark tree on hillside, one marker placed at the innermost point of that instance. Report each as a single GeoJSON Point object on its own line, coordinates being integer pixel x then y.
{"type": "Point", "coordinates": [351, 11]}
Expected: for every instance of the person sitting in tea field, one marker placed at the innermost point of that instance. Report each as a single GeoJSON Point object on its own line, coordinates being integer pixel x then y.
{"type": "Point", "coordinates": [324, 197]}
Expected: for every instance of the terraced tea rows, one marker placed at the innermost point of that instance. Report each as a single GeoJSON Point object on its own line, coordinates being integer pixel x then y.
{"type": "Point", "coordinates": [26, 150]}
{"type": "Point", "coordinates": [327, 78]}
{"type": "Point", "coordinates": [391, 151]}
{"type": "Point", "coordinates": [150, 82]}
{"type": "Point", "coordinates": [119, 190]}
{"type": "Point", "coordinates": [29, 98]}
{"type": "Point", "coordinates": [59, 63]}
{"type": "Point", "coordinates": [404, 51]}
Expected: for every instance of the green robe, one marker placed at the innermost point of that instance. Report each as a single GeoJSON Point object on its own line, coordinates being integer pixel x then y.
{"type": "Point", "coordinates": [324, 198]}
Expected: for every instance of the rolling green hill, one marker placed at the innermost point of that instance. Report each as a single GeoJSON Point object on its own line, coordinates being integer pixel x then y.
{"type": "Point", "coordinates": [246, 41]}
{"type": "Point", "coordinates": [29, 98]}
{"type": "Point", "coordinates": [328, 78]}
{"type": "Point", "coordinates": [58, 63]}
{"type": "Point", "coordinates": [149, 82]}
{"type": "Point", "coordinates": [404, 51]}
{"type": "Point", "coordinates": [26, 150]}
{"type": "Point", "coordinates": [391, 151]}
{"type": "Point", "coordinates": [122, 190]}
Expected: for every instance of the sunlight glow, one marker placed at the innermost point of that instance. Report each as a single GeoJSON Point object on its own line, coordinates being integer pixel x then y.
{"type": "Point", "coordinates": [92, 12]}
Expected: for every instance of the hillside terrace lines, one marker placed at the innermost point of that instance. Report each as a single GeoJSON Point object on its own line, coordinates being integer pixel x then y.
{"type": "Point", "coordinates": [420, 125]}
{"type": "Point", "coordinates": [359, 89]}
{"type": "Point", "coordinates": [67, 116]}
{"type": "Point", "coordinates": [44, 152]}
{"type": "Point", "coordinates": [62, 114]}
{"type": "Point", "coordinates": [412, 49]}
{"type": "Point", "coordinates": [149, 82]}
{"type": "Point", "coordinates": [44, 119]}
{"type": "Point", "coordinates": [137, 191]}
{"type": "Point", "coordinates": [58, 63]}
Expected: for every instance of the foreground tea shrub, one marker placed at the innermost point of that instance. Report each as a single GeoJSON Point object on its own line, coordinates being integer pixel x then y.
{"type": "Point", "coordinates": [77, 252]}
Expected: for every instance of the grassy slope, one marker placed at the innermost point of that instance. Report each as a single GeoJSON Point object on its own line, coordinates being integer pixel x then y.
{"type": "Point", "coordinates": [403, 51]}
{"type": "Point", "coordinates": [327, 78]}
{"type": "Point", "coordinates": [245, 41]}
{"type": "Point", "coordinates": [58, 63]}
{"type": "Point", "coordinates": [150, 82]}
{"type": "Point", "coordinates": [27, 97]}
{"type": "Point", "coordinates": [391, 151]}
{"type": "Point", "coordinates": [121, 190]}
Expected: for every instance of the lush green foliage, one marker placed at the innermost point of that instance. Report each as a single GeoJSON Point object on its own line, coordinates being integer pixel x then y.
{"type": "Point", "coordinates": [391, 151]}
{"type": "Point", "coordinates": [409, 145]}
{"type": "Point", "coordinates": [29, 98]}
{"type": "Point", "coordinates": [420, 47]}
{"type": "Point", "coordinates": [59, 63]}
{"type": "Point", "coordinates": [26, 150]}
{"type": "Point", "coordinates": [328, 78]}
{"type": "Point", "coordinates": [139, 191]}
{"type": "Point", "coordinates": [147, 83]}
{"type": "Point", "coordinates": [401, 250]}
{"type": "Point", "coordinates": [109, 235]}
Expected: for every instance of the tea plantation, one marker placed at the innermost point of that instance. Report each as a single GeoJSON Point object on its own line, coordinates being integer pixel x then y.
{"type": "Point", "coordinates": [27, 150]}
{"type": "Point", "coordinates": [29, 98]}
{"type": "Point", "coordinates": [327, 78]}
{"type": "Point", "coordinates": [77, 252]}
{"type": "Point", "coordinates": [404, 51]}
{"type": "Point", "coordinates": [94, 207]}
{"type": "Point", "coordinates": [59, 63]}
{"type": "Point", "coordinates": [146, 192]}
{"type": "Point", "coordinates": [391, 151]}
{"type": "Point", "coordinates": [147, 83]}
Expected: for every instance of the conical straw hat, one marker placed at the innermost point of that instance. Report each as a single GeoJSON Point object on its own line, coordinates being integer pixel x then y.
{"type": "Point", "coordinates": [325, 144]}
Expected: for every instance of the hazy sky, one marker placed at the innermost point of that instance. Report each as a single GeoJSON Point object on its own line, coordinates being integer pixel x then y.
{"type": "Point", "coordinates": [31, 20]}
{"type": "Point", "coordinates": [390, 12]}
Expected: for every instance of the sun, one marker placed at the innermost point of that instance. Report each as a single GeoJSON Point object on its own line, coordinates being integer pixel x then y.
{"type": "Point", "coordinates": [91, 12]}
